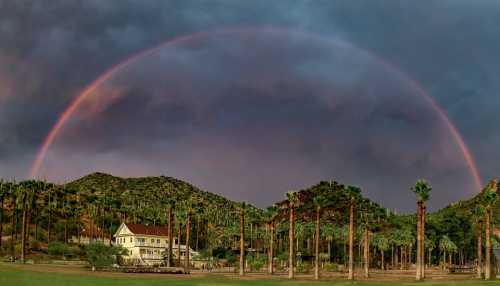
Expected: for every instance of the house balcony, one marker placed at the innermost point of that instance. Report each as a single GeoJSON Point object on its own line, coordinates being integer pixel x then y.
{"type": "Point", "coordinates": [153, 245]}
{"type": "Point", "coordinates": [152, 256]}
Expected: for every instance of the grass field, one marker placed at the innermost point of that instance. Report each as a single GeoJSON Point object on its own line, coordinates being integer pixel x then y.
{"type": "Point", "coordinates": [38, 275]}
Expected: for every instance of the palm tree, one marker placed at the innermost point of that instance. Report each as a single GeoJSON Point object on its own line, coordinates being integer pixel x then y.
{"type": "Point", "coordinates": [430, 245]}
{"type": "Point", "coordinates": [179, 239]}
{"type": "Point", "coordinates": [382, 243]}
{"type": "Point", "coordinates": [50, 194]}
{"type": "Point", "coordinates": [242, 239]}
{"type": "Point", "coordinates": [353, 193]}
{"type": "Point", "coordinates": [489, 199]}
{"type": "Point", "coordinates": [271, 215]}
{"type": "Point", "coordinates": [366, 242]}
{"type": "Point", "coordinates": [179, 217]}
{"type": "Point", "coordinates": [170, 234]}
{"type": "Point", "coordinates": [25, 198]}
{"type": "Point", "coordinates": [447, 247]}
{"type": "Point", "coordinates": [3, 193]}
{"type": "Point", "coordinates": [12, 193]}
{"type": "Point", "coordinates": [188, 236]}
{"type": "Point", "coordinates": [318, 201]}
{"type": "Point", "coordinates": [293, 201]}
{"type": "Point", "coordinates": [422, 190]}
{"type": "Point", "coordinates": [478, 215]}
{"type": "Point", "coordinates": [329, 232]}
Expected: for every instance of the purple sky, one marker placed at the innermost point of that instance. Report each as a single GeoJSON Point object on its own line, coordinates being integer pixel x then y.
{"type": "Point", "coordinates": [254, 116]}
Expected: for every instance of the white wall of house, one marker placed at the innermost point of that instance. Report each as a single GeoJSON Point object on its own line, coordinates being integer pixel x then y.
{"type": "Point", "coordinates": [147, 249]}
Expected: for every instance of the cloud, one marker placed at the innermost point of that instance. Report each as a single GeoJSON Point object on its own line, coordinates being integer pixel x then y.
{"type": "Point", "coordinates": [50, 51]}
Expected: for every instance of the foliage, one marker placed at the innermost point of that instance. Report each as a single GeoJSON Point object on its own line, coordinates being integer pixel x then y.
{"type": "Point", "coordinates": [58, 248]}
{"type": "Point", "coordinates": [422, 190]}
{"type": "Point", "coordinates": [100, 255]}
{"type": "Point", "coordinates": [256, 263]}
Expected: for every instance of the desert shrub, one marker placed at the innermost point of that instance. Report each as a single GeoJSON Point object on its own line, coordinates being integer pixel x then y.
{"type": "Point", "coordinates": [100, 255]}
{"type": "Point", "coordinates": [331, 267]}
{"type": "Point", "coordinates": [256, 263]}
{"type": "Point", "coordinates": [300, 266]}
{"type": "Point", "coordinates": [58, 248]}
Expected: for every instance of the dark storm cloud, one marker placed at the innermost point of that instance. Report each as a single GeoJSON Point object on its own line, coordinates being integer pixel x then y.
{"type": "Point", "coordinates": [49, 50]}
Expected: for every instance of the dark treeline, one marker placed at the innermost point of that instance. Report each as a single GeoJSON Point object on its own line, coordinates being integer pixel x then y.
{"type": "Point", "coordinates": [328, 226]}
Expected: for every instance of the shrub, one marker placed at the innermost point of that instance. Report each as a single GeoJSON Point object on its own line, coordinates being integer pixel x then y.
{"type": "Point", "coordinates": [331, 267]}
{"type": "Point", "coordinates": [35, 244]}
{"type": "Point", "coordinates": [256, 263]}
{"type": "Point", "coordinates": [230, 257]}
{"type": "Point", "coordinates": [100, 255]}
{"type": "Point", "coordinates": [58, 248]}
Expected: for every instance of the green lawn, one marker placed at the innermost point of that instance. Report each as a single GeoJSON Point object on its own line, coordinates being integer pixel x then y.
{"type": "Point", "coordinates": [16, 275]}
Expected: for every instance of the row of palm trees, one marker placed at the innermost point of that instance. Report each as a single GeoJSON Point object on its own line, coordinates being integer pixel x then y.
{"type": "Point", "coordinates": [320, 202]}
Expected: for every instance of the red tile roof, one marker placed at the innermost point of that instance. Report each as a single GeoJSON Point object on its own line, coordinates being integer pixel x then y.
{"type": "Point", "coordinates": [147, 229]}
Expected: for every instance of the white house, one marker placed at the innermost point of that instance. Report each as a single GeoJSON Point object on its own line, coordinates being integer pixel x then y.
{"type": "Point", "coordinates": [147, 245]}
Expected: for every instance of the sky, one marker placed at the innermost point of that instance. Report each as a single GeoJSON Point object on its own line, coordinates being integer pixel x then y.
{"type": "Point", "coordinates": [302, 110]}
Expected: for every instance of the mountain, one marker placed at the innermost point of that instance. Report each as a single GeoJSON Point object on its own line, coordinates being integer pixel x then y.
{"type": "Point", "coordinates": [146, 197]}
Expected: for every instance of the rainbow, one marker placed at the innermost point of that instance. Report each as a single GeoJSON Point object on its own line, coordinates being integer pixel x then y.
{"type": "Point", "coordinates": [77, 101]}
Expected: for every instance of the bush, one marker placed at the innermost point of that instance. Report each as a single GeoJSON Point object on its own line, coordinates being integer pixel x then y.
{"type": "Point", "coordinates": [35, 244]}
{"type": "Point", "coordinates": [230, 257]}
{"type": "Point", "coordinates": [331, 267]}
{"type": "Point", "coordinates": [257, 263]}
{"type": "Point", "coordinates": [58, 248]}
{"type": "Point", "coordinates": [100, 255]}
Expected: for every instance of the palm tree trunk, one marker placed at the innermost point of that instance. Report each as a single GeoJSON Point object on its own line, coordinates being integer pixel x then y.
{"type": "Point", "coordinates": [242, 243]}
{"type": "Point", "coordinates": [480, 251]}
{"type": "Point", "coordinates": [188, 233]}
{"type": "Point", "coordinates": [102, 225]}
{"type": "Point", "coordinates": [12, 230]}
{"type": "Point", "coordinates": [422, 245]}
{"type": "Point", "coordinates": [351, 242]}
{"type": "Point", "coordinates": [48, 225]}
{"type": "Point", "coordinates": [487, 267]}
{"type": "Point", "coordinates": [418, 275]}
{"type": "Point", "coordinates": [196, 245]}
{"type": "Point", "coordinates": [429, 254]}
{"type": "Point", "coordinates": [28, 223]}
{"type": "Point", "coordinates": [23, 236]}
{"type": "Point", "coordinates": [179, 237]}
{"type": "Point", "coordinates": [345, 251]}
{"type": "Point", "coordinates": [271, 254]}
{"type": "Point", "coordinates": [382, 260]}
{"type": "Point", "coordinates": [1, 220]}
{"type": "Point", "coordinates": [316, 244]}
{"type": "Point", "coordinates": [291, 239]}
{"type": "Point", "coordinates": [251, 235]}
{"type": "Point", "coordinates": [329, 252]}
{"type": "Point", "coordinates": [366, 252]}
{"type": "Point", "coordinates": [16, 224]}
{"type": "Point", "coordinates": [410, 247]}
{"type": "Point", "coordinates": [170, 238]}
{"type": "Point", "coordinates": [401, 260]}
{"type": "Point", "coordinates": [66, 230]}
{"type": "Point", "coordinates": [392, 256]}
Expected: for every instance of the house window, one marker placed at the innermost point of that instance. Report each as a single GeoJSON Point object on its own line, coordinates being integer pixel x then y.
{"type": "Point", "coordinates": [157, 241]}
{"type": "Point", "coordinates": [131, 241]}
{"type": "Point", "coordinates": [152, 240]}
